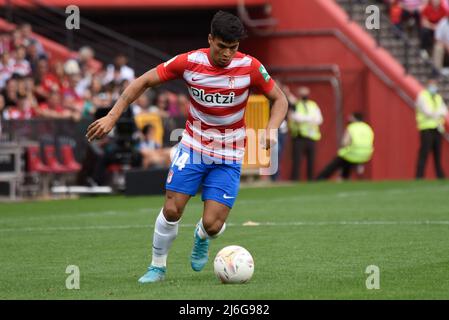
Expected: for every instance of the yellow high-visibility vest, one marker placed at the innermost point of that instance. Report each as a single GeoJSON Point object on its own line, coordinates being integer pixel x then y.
{"type": "Point", "coordinates": [361, 148]}
{"type": "Point", "coordinates": [303, 129]}
{"type": "Point", "coordinates": [436, 103]}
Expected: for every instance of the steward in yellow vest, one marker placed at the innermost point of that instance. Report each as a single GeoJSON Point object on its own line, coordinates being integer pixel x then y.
{"type": "Point", "coordinates": [360, 148]}
{"type": "Point", "coordinates": [307, 120]}
{"type": "Point", "coordinates": [357, 148]}
{"type": "Point", "coordinates": [430, 114]}
{"type": "Point", "coordinates": [304, 124]}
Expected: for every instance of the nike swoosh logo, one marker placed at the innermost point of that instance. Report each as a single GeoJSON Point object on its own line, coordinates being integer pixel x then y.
{"type": "Point", "coordinates": [196, 79]}
{"type": "Point", "coordinates": [227, 197]}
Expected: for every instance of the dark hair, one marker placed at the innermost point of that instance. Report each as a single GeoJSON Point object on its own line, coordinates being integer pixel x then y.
{"type": "Point", "coordinates": [358, 116]}
{"type": "Point", "coordinates": [17, 76]}
{"type": "Point", "coordinates": [227, 27]}
{"type": "Point", "coordinates": [147, 128]}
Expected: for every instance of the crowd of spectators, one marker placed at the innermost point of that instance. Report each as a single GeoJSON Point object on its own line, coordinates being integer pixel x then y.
{"type": "Point", "coordinates": [33, 85]}
{"type": "Point", "coordinates": [429, 19]}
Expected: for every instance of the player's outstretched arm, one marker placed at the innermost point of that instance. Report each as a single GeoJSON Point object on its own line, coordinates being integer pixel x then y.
{"type": "Point", "coordinates": [102, 126]}
{"type": "Point", "coordinates": [278, 112]}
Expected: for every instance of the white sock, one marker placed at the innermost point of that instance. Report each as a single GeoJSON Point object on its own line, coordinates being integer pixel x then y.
{"type": "Point", "coordinates": [203, 234]}
{"type": "Point", "coordinates": [164, 234]}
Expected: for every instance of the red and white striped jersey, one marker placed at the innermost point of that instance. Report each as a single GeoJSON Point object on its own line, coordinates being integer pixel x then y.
{"type": "Point", "coordinates": [218, 97]}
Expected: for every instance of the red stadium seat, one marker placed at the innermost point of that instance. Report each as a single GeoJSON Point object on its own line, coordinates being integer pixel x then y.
{"type": "Point", "coordinates": [52, 161]}
{"type": "Point", "coordinates": [68, 158]}
{"type": "Point", "coordinates": [114, 168]}
{"type": "Point", "coordinates": [34, 162]}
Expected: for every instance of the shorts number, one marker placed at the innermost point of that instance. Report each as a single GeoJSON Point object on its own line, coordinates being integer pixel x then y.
{"type": "Point", "coordinates": [180, 160]}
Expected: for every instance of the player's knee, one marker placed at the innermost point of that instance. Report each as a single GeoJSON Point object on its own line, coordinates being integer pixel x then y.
{"type": "Point", "coordinates": [172, 212]}
{"type": "Point", "coordinates": [213, 228]}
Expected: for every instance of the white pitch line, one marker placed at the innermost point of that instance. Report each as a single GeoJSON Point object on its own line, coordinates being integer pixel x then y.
{"type": "Point", "coordinates": [252, 224]}
{"type": "Point", "coordinates": [293, 198]}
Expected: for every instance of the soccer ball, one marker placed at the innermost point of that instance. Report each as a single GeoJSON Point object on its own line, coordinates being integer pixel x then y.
{"type": "Point", "coordinates": [234, 264]}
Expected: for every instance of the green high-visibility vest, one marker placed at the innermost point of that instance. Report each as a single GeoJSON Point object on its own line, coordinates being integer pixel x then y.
{"type": "Point", "coordinates": [303, 129]}
{"type": "Point", "coordinates": [361, 148]}
{"type": "Point", "coordinates": [436, 103]}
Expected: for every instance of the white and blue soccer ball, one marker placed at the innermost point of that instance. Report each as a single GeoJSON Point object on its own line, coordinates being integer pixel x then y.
{"type": "Point", "coordinates": [234, 264]}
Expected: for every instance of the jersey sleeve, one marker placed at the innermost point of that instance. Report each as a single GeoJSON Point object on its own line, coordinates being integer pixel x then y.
{"type": "Point", "coordinates": [260, 79]}
{"type": "Point", "coordinates": [173, 68]}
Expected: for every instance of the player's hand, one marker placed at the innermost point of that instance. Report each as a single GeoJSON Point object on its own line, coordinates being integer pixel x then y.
{"type": "Point", "coordinates": [99, 128]}
{"type": "Point", "coordinates": [269, 139]}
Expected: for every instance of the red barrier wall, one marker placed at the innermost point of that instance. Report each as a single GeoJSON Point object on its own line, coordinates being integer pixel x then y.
{"type": "Point", "coordinates": [393, 120]}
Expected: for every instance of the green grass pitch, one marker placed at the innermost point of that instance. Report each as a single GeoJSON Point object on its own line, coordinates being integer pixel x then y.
{"type": "Point", "coordinates": [313, 241]}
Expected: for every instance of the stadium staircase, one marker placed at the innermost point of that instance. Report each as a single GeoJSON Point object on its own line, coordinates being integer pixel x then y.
{"type": "Point", "coordinates": [403, 46]}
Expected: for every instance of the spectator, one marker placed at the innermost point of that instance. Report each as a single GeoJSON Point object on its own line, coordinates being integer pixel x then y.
{"type": "Point", "coordinates": [46, 81]}
{"type": "Point", "coordinates": [28, 38]}
{"type": "Point", "coordinates": [151, 152]}
{"type": "Point", "coordinates": [173, 108]}
{"type": "Point", "coordinates": [118, 89]}
{"type": "Point", "coordinates": [33, 56]}
{"type": "Point", "coordinates": [29, 85]}
{"type": "Point", "coordinates": [16, 39]}
{"type": "Point", "coordinates": [21, 65]}
{"type": "Point", "coordinates": [69, 86]}
{"type": "Point", "coordinates": [10, 92]}
{"type": "Point", "coordinates": [148, 139]}
{"type": "Point", "coordinates": [58, 71]}
{"type": "Point", "coordinates": [53, 109]}
{"type": "Point", "coordinates": [162, 104]}
{"type": "Point", "coordinates": [88, 95]}
{"type": "Point", "coordinates": [86, 58]}
{"type": "Point", "coordinates": [431, 15]}
{"type": "Point", "coordinates": [83, 84]}
{"type": "Point", "coordinates": [183, 104]}
{"type": "Point", "coordinates": [441, 47]}
{"type": "Point", "coordinates": [21, 86]}
{"type": "Point", "coordinates": [70, 102]}
{"type": "Point", "coordinates": [396, 13]}
{"type": "Point", "coordinates": [71, 67]}
{"type": "Point", "coordinates": [87, 68]}
{"type": "Point", "coordinates": [141, 105]}
{"type": "Point", "coordinates": [102, 100]}
{"type": "Point", "coordinates": [6, 68]}
{"type": "Point", "coordinates": [5, 43]}
{"type": "Point", "coordinates": [96, 97]}
{"type": "Point", "coordinates": [25, 109]}
{"type": "Point", "coordinates": [411, 9]}
{"type": "Point", "coordinates": [118, 71]}
{"type": "Point", "coordinates": [95, 86]}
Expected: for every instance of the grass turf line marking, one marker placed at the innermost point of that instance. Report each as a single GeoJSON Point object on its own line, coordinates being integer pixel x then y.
{"type": "Point", "coordinates": [252, 225]}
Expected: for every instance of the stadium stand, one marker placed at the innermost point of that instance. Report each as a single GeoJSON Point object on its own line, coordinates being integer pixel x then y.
{"type": "Point", "coordinates": [58, 81]}
{"type": "Point", "coordinates": [404, 43]}
{"type": "Point", "coordinates": [44, 82]}
{"type": "Point", "coordinates": [40, 79]}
